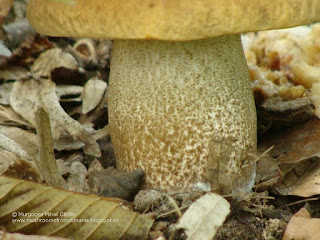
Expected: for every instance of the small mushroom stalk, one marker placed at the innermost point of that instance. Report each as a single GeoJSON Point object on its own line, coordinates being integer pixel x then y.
{"type": "Point", "coordinates": [184, 112]}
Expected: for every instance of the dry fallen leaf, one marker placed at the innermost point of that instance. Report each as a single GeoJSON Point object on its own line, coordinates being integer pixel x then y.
{"type": "Point", "coordinates": [33, 208]}
{"type": "Point", "coordinates": [27, 96]}
{"type": "Point", "coordinates": [204, 217]}
{"type": "Point", "coordinates": [92, 94]}
{"type": "Point", "coordinates": [28, 50]}
{"type": "Point", "coordinates": [20, 142]}
{"type": "Point", "coordinates": [296, 150]}
{"type": "Point", "coordinates": [12, 146]}
{"type": "Point", "coordinates": [303, 181]}
{"type": "Point", "coordinates": [64, 91]}
{"type": "Point", "coordinates": [12, 73]}
{"type": "Point", "coordinates": [51, 59]}
{"type": "Point", "coordinates": [84, 50]}
{"type": "Point", "coordinates": [302, 227]}
{"type": "Point", "coordinates": [275, 112]}
{"type": "Point", "coordinates": [8, 117]}
{"type": "Point", "coordinates": [12, 165]}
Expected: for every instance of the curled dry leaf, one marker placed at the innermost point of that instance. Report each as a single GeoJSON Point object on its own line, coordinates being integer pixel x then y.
{"type": "Point", "coordinates": [84, 51]}
{"type": "Point", "coordinates": [294, 144]}
{"type": "Point", "coordinates": [22, 143]}
{"type": "Point", "coordinates": [12, 146]}
{"type": "Point", "coordinates": [51, 59]}
{"type": "Point", "coordinates": [64, 91]}
{"type": "Point", "coordinates": [92, 95]}
{"type": "Point", "coordinates": [204, 217]}
{"type": "Point", "coordinates": [21, 148]}
{"type": "Point", "coordinates": [275, 112]}
{"type": "Point", "coordinates": [62, 213]}
{"type": "Point", "coordinates": [303, 180]}
{"type": "Point", "coordinates": [66, 142]}
{"type": "Point", "coordinates": [8, 117]}
{"type": "Point", "coordinates": [294, 150]}
{"type": "Point", "coordinates": [27, 96]}
{"type": "Point", "coordinates": [12, 165]}
{"type": "Point", "coordinates": [97, 116]}
{"type": "Point", "coordinates": [302, 227]}
{"type": "Point", "coordinates": [13, 73]}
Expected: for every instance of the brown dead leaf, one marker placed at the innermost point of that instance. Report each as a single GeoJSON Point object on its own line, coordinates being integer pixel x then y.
{"type": "Point", "coordinates": [59, 66]}
{"type": "Point", "coordinates": [27, 96]}
{"type": "Point", "coordinates": [12, 165]}
{"type": "Point", "coordinates": [51, 59]}
{"type": "Point", "coordinates": [276, 112]}
{"type": "Point", "coordinates": [295, 151]}
{"type": "Point", "coordinates": [27, 51]}
{"type": "Point", "coordinates": [294, 144]}
{"type": "Point", "coordinates": [8, 117]}
{"type": "Point", "coordinates": [20, 142]}
{"type": "Point", "coordinates": [12, 146]}
{"type": "Point", "coordinates": [305, 185]}
{"type": "Point", "coordinates": [61, 213]}
{"type": "Point", "coordinates": [302, 227]}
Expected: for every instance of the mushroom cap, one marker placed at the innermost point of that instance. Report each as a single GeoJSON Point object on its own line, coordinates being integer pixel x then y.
{"type": "Point", "coordinates": [174, 20]}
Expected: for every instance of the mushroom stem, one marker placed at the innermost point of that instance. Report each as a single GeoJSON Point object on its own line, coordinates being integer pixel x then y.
{"type": "Point", "coordinates": [184, 112]}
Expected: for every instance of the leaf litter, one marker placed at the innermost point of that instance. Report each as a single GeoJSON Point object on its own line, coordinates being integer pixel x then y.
{"type": "Point", "coordinates": [39, 124]}
{"type": "Point", "coordinates": [78, 117]}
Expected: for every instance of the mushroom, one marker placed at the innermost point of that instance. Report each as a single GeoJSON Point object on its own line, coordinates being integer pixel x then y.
{"type": "Point", "coordinates": [180, 102]}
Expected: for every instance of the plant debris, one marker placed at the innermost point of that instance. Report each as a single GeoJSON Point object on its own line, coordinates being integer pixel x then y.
{"type": "Point", "coordinates": [204, 217]}
{"type": "Point", "coordinates": [302, 227]}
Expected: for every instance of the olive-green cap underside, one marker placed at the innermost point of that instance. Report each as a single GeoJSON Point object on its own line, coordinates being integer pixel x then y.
{"type": "Point", "coordinates": [175, 20]}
